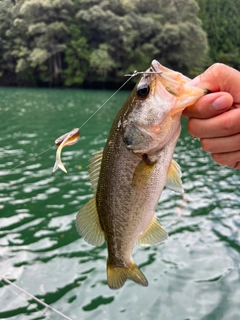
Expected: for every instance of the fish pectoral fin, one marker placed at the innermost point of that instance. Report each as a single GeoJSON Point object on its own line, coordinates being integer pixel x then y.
{"type": "Point", "coordinates": [88, 224]}
{"type": "Point", "coordinates": [143, 173]}
{"type": "Point", "coordinates": [154, 234]}
{"type": "Point", "coordinates": [174, 174]}
{"type": "Point", "coordinates": [117, 276]}
{"type": "Point", "coordinates": [59, 165]}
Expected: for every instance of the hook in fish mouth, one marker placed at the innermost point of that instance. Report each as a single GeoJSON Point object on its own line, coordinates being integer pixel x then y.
{"type": "Point", "coordinates": [135, 73]}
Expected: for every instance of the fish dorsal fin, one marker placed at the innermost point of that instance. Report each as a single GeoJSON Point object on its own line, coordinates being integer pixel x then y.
{"type": "Point", "coordinates": [88, 224]}
{"type": "Point", "coordinates": [94, 169]}
{"type": "Point", "coordinates": [154, 234]}
{"type": "Point", "coordinates": [174, 174]}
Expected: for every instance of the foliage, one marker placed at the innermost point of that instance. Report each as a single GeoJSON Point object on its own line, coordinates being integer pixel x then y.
{"type": "Point", "coordinates": [221, 22]}
{"type": "Point", "coordinates": [76, 57]}
{"type": "Point", "coordinates": [7, 62]}
{"type": "Point", "coordinates": [71, 42]}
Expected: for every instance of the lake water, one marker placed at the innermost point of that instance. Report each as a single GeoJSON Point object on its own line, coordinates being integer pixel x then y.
{"type": "Point", "coordinates": [195, 274]}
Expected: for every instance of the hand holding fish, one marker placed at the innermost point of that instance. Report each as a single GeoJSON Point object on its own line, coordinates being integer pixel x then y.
{"type": "Point", "coordinates": [218, 130]}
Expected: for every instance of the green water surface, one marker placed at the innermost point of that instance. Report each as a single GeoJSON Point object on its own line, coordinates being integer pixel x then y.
{"type": "Point", "coordinates": [194, 275]}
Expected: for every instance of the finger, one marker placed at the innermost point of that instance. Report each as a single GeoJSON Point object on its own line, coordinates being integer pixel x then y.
{"type": "Point", "coordinates": [223, 125]}
{"type": "Point", "coordinates": [227, 159]}
{"type": "Point", "coordinates": [235, 165]}
{"type": "Point", "coordinates": [220, 77]}
{"type": "Point", "coordinates": [218, 145]}
{"type": "Point", "coordinates": [209, 105]}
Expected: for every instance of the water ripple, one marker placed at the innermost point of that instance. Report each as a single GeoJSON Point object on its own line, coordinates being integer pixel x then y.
{"type": "Point", "coordinates": [195, 274]}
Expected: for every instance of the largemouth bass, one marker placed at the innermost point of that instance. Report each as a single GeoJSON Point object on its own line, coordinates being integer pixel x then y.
{"type": "Point", "coordinates": [129, 175]}
{"type": "Point", "coordinates": [67, 139]}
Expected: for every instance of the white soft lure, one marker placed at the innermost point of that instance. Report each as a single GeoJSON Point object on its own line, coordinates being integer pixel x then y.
{"type": "Point", "coordinates": [67, 139]}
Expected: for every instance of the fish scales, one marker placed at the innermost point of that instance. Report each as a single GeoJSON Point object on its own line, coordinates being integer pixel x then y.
{"type": "Point", "coordinates": [135, 166]}
{"type": "Point", "coordinates": [118, 174]}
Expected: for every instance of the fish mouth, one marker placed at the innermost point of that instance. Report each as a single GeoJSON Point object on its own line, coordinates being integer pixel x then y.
{"type": "Point", "coordinates": [151, 74]}
{"type": "Point", "coordinates": [155, 65]}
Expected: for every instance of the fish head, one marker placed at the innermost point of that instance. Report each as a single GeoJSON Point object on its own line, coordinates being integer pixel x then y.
{"type": "Point", "coordinates": [154, 108]}
{"type": "Point", "coordinates": [148, 126]}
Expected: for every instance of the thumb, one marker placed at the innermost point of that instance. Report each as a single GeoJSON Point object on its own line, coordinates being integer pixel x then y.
{"type": "Point", "coordinates": [220, 77]}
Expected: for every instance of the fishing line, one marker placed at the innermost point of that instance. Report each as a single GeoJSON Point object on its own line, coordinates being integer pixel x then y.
{"type": "Point", "coordinates": [2, 278]}
{"type": "Point", "coordinates": [25, 300]}
{"type": "Point", "coordinates": [131, 76]}
{"type": "Point", "coordinates": [135, 73]}
{"type": "Point", "coordinates": [33, 157]}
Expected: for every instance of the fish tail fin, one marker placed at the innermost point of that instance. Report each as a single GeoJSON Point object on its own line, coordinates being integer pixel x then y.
{"type": "Point", "coordinates": [117, 276]}
{"type": "Point", "coordinates": [60, 165]}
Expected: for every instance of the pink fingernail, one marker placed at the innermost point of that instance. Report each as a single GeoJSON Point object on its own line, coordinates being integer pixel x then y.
{"type": "Point", "coordinates": [194, 82]}
{"type": "Point", "coordinates": [219, 104]}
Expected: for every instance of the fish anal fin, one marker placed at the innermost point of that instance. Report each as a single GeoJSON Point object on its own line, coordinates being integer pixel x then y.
{"type": "Point", "coordinates": [174, 174]}
{"type": "Point", "coordinates": [88, 224]}
{"type": "Point", "coordinates": [154, 234]}
{"type": "Point", "coordinates": [117, 276]}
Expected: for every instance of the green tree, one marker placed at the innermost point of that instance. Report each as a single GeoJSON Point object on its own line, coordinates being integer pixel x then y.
{"type": "Point", "coordinates": [7, 63]}
{"type": "Point", "coordinates": [74, 42]}
{"type": "Point", "coordinates": [47, 32]}
{"type": "Point", "coordinates": [76, 57]}
{"type": "Point", "coordinates": [127, 35]}
{"type": "Point", "coordinates": [221, 22]}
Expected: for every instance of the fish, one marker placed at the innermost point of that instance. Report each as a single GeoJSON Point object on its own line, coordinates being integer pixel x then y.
{"type": "Point", "coordinates": [128, 176]}
{"type": "Point", "coordinates": [67, 139]}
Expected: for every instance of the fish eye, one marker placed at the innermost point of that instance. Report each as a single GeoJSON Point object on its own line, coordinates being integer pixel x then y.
{"type": "Point", "coordinates": [143, 90]}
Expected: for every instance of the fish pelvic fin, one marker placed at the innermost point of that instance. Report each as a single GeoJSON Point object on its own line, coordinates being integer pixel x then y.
{"type": "Point", "coordinates": [117, 276]}
{"type": "Point", "coordinates": [153, 235]}
{"type": "Point", "coordinates": [59, 164]}
{"type": "Point", "coordinates": [174, 174]}
{"type": "Point", "coordinates": [88, 224]}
